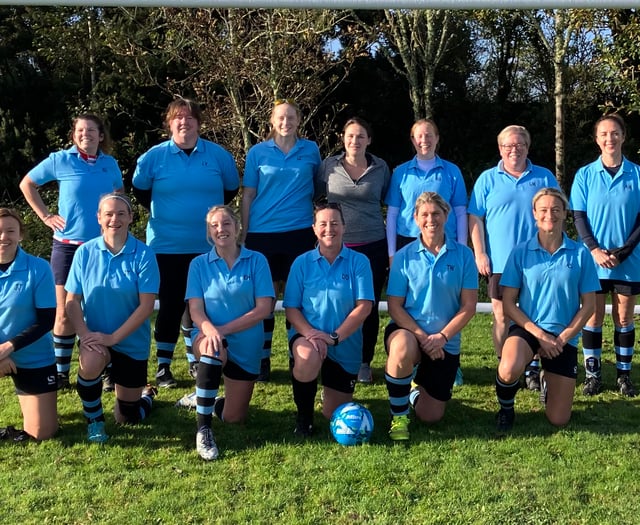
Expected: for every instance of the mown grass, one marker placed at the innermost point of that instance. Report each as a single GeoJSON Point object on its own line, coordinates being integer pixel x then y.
{"type": "Point", "coordinates": [458, 471]}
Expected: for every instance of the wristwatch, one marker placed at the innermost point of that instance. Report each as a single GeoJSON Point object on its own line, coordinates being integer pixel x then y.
{"type": "Point", "coordinates": [335, 338]}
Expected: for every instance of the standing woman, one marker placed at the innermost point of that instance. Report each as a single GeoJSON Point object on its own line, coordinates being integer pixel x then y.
{"type": "Point", "coordinates": [27, 313]}
{"type": "Point", "coordinates": [425, 172]}
{"type": "Point", "coordinates": [432, 295]}
{"type": "Point", "coordinates": [83, 172]}
{"type": "Point", "coordinates": [548, 291]}
{"type": "Point", "coordinates": [605, 199]}
{"type": "Point", "coordinates": [500, 218]}
{"type": "Point", "coordinates": [230, 292]}
{"type": "Point", "coordinates": [328, 296]}
{"type": "Point", "coordinates": [112, 288]}
{"type": "Point", "coordinates": [178, 180]}
{"type": "Point", "coordinates": [277, 201]}
{"type": "Point", "coordinates": [359, 181]}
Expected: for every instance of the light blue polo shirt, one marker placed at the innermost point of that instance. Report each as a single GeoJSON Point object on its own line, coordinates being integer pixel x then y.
{"type": "Point", "coordinates": [110, 286]}
{"type": "Point", "coordinates": [284, 186]}
{"type": "Point", "coordinates": [80, 187]}
{"type": "Point", "coordinates": [183, 188]}
{"type": "Point", "coordinates": [612, 205]}
{"type": "Point", "coordinates": [431, 285]}
{"type": "Point", "coordinates": [327, 293]}
{"type": "Point", "coordinates": [505, 204]}
{"type": "Point", "coordinates": [26, 285]}
{"type": "Point", "coordinates": [551, 284]}
{"type": "Point", "coordinates": [229, 294]}
{"type": "Point", "coordinates": [408, 182]}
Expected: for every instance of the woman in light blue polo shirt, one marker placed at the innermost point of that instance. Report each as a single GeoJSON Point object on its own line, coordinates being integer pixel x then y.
{"type": "Point", "coordinates": [432, 295]}
{"type": "Point", "coordinates": [178, 180]}
{"type": "Point", "coordinates": [111, 291]}
{"type": "Point", "coordinates": [27, 312]}
{"type": "Point", "coordinates": [83, 172]}
{"type": "Point", "coordinates": [277, 201]}
{"type": "Point", "coordinates": [328, 296]}
{"type": "Point", "coordinates": [230, 292]}
{"type": "Point", "coordinates": [549, 285]}
{"type": "Point", "coordinates": [605, 199]}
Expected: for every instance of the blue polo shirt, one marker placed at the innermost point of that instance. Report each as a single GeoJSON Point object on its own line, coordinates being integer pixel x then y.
{"type": "Point", "coordinates": [111, 285]}
{"type": "Point", "coordinates": [612, 205]}
{"type": "Point", "coordinates": [551, 284]}
{"type": "Point", "coordinates": [409, 181]}
{"type": "Point", "coordinates": [327, 293]}
{"type": "Point", "coordinates": [26, 285]}
{"type": "Point", "coordinates": [80, 187]}
{"type": "Point", "coordinates": [229, 294]}
{"type": "Point", "coordinates": [183, 188]}
{"type": "Point", "coordinates": [431, 285]}
{"type": "Point", "coordinates": [284, 186]}
{"type": "Point", "coordinates": [505, 204]}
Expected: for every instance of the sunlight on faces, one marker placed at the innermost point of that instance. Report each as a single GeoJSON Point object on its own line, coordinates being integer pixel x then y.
{"type": "Point", "coordinates": [10, 238]}
{"type": "Point", "coordinates": [223, 226]}
{"type": "Point", "coordinates": [549, 211]}
{"type": "Point", "coordinates": [114, 216]}
{"type": "Point", "coordinates": [285, 120]}
{"type": "Point", "coordinates": [513, 151]}
{"type": "Point", "coordinates": [425, 138]}
{"type": "Point", "coordinates": [356, 139]}
{"type": "Point", "coordinates": [328, 227]}
{"type": "Point", "coordinates": [87, 136]}
{"type": "Point", "coordinates": [184, 128]}
{"type": "Point", "coordinates": [609, 137]}
{"type": "Point", "coordinates": [431, 220]}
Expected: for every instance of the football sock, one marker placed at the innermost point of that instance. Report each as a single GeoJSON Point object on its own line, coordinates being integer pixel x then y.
{"type": "Point", "coordinates": [207, 385]}
{"type": "Point", "coordinates": [592, 350]}
{"type": "Point", "coordinates": [268, 325]}
{"type": "Point", "coordinates": [623, 339]}
{"type": "Point", "coordinates": [63, 348]}
{"type": "Point", "coordinates": [304, 395]}
{"type": "Point", "coordinates": [506, 393]}
{"type": "Point", "coordinates": [398, 389]}
{"type": "Point", "coordinates": [164, 352]}
{"type": "Point", "coordinates": [90, 392]}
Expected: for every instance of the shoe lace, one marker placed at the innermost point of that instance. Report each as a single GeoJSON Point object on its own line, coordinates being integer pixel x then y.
{"type": "Point", "coordinates": [206, 437]}
{"type": "Point", "coordinates": [399, 423]}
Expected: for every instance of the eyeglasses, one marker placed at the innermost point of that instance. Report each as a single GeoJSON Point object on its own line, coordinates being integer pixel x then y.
{"type": "Point", "coordinates": [289, 101]}
{"type": "Point", "coordinates": [515, 145]}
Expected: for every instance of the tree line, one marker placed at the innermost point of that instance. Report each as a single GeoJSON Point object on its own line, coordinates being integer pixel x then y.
{"type": "Point", "coordinates": [474, 72]}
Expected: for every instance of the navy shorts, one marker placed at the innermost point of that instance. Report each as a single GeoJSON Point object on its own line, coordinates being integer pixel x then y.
{"type": "Point", "coordinates": [626, 288]}
{"type": "Point", "coordinates": [33, 381]}
{"type": "Point", "coordinates": [61, 257]}
{"type": "Point", "coordinates": [126, 371]}
{"type": "Point", "coordinates": [435, 376]}
{"type": "Point", "coordinates": [281, 248]}
{"type": "Point", "coordinates": [565, 364]}
{"type": "Point", "coordinates": [235, 371]}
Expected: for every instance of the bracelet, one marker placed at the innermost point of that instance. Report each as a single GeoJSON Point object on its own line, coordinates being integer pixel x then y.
{"type": "Point", "coordinates": [445, 337]}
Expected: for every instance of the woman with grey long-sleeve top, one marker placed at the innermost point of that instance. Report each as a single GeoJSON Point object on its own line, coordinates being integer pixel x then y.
{"type": "Point", "coordinates": [359, 181]}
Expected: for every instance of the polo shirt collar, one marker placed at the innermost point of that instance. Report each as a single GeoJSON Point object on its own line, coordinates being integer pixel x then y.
{"type": "Point", "coordinates": [173, 148]}
{"type": "Point", "coordinates": [534, 243]}
{"type": "Point", "coordinates": [127, 248]}
{"type": "Point", "coordinates": [524, 173]}
{"type": "Point", "coordinates": [213, 254]}
{"type": "Point", "coordinates": [316, 255]}
{"type": "Point", "coordinates": [413, 163]}
{"type": "Point", "coordinates": [19, 263]}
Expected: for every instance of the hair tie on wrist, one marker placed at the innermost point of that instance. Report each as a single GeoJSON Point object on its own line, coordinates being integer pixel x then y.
{"type": "Point", "coordinates": [445, 337]}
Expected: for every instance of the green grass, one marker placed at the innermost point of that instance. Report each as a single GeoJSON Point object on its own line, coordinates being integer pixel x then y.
{"type": "Point", "coordinates": [457, 471]}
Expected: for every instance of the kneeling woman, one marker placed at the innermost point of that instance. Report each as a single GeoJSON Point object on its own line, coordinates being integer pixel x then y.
{"type": "Point", "coordinates": [27, 313]}
{"type": "Point", "coordinates": [432, 295]}
{"type": "Point", "coordinates": [230, 292]}
{"type": "Point", "coordinates": [112, 286]}
{"type": "Point", "coordinates": [329, 294]}
{"type": "Point", "coordinates": [549, 292]}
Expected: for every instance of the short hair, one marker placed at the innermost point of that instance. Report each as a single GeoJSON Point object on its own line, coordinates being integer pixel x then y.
{"type": "Point", "coordinates": [178, 105]}
{"type": "Point", "coordinates": [360, 122]}
{"type": "Point", "coordinates": [10, 212]}
{"type": "Point", "coordinates": [115, 195]}
{"type": "Point", "coordinates": [324, 204]}
{"type": "Point", "coordinates": [554, 192]}
{"type": "Point", "coordinates": [230, 212]}
{"type": "Point", "coordinates": [611, 116]}
{"type": "Point", "coordinates": [106, 143]}
{"type": "Point", "coordinates": [519, 130]}
{"type": "Point", "coordinates": [433, 198]}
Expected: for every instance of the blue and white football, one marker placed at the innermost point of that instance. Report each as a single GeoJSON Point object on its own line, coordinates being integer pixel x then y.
{"type": "Point", "coordinates": [351, 424]}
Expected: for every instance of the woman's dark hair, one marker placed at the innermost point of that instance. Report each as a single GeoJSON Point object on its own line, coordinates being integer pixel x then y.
{"type": "Point", "coordinates": [105, 143]}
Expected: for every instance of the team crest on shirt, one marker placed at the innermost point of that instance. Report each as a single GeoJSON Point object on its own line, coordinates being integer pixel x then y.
{"type": "Point", "coordinates": [18, 287]}
{"type": "Point", "coordinates": [246, 277]}
{"type": "Point", "coordinates": [450, 267]}
{"type": "Point", "coordinates": [345, 276]}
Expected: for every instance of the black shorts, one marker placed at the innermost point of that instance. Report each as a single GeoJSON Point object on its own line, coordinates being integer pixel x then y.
{"type": "Point", "coordinates": [566, 364]}
{"type": "Point", "coordinates": [494, 290]}
{"type": "Point", "coordinates": [435, 376]}
{"type": "Point", "coordinates": [626, 288]}
{"type": "Point", "coordinates": [332, 373]}
{"type": "Point", "coordinates": [281, 248]}
{"type": "Point", "coordinates": [33, 381]}
{"type": "Point", "coordinates": [235, 371]}
{"type": "Point", "coordinates": [61, 258]}
{"type": "Point", "coordinates": [402, 241]}
{"type": "Point", "coordinates": [126, 371]}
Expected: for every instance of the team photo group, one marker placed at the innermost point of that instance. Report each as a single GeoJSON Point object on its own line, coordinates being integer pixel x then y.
{"type": "Point", "coordinates": [331, 238]}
